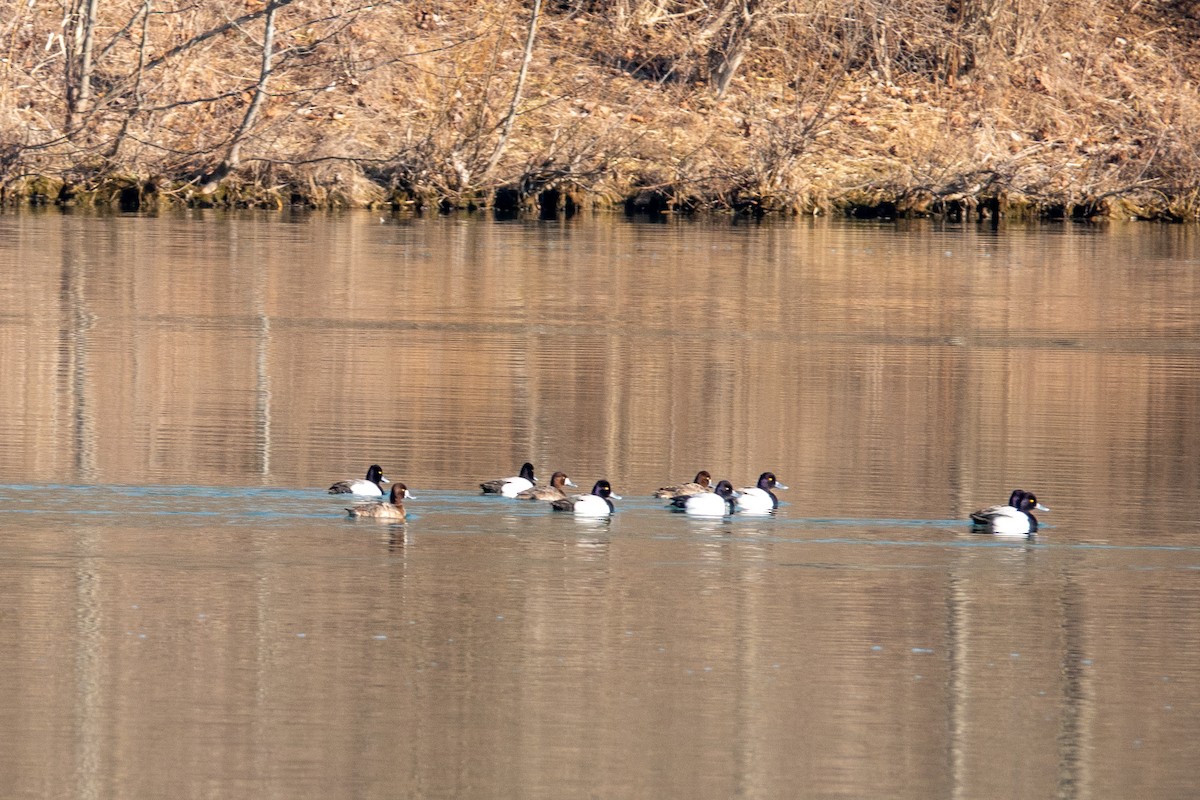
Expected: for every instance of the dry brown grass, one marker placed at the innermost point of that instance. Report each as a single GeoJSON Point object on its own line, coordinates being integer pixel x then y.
{"type": "Point", "coordinates": [1080, 107]}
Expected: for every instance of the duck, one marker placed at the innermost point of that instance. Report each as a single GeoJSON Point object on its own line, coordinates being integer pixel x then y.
{"type": "Point", "coordinates": [717, 503]}
{"type": "Point", "coordinates": [392, 509]}
{"type": "Point", "coordinates": [371, 486]}
{"type": "Point", "coordinates": [511, 487]}
{"type": "Point", "coordinates": [701, 484]}
{"type": "Point", "coordinates": [760, 498]}
{"type": "Point", "coordinates": [596, 504]}
{"type": "Point", "coordinates": [1013, 519]}
{"type": "Point", "coordinates": [552, 492]}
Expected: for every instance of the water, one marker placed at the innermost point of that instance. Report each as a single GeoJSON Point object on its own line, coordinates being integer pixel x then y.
{"type": "Point", "coordinates": [185, 613]}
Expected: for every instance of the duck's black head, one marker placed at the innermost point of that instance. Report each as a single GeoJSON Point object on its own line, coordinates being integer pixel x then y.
{"type": "Point", "coordinates": [1025, 501]}
{"type": "Point", "coordinates": [1029, 502]}
{"type": "Point", "coordinates": [725, 491]}
{"type": "Point", "coordinates": [375, 474]}
{"type": "Point", "coordinates": [527, 472]}
{"type": "Point", "coordinates": [767, 481]}
{"type": "Point", "coordinates": [602, 489]}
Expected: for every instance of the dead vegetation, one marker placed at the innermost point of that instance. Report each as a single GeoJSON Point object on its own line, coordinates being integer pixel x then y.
{"type": "Point", "coordinates": [965, 108]}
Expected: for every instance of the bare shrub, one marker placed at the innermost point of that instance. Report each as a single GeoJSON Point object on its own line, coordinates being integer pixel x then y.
{"type": "Point", "coordinates": [1086, 106]}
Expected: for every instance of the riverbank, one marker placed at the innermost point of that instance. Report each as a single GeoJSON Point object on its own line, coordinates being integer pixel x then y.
{"type": "Point", "coordinates": [964, 110]}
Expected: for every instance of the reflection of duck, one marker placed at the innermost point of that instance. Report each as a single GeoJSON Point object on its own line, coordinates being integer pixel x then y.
{"type": "Point", "coordinates": [596, 504]}
{"type": "Point", "coordinates": [368, 487]}
{"type": "Point", "coordinates": [511, 487]}
{"type": "Point", "coordinates": [397, 538]}
{"type": "Point", "coordinates": [392, 509]}
{"type": "Point", "coordinates": [592, 524]}
{"type": "Point", "coordinates": [709, 526]}
{"type": "Point", "coordinates": [702, 483]}
{"type": "Point", "coordinates": [552, 492]}
{"type": "Point", "coordinates": [760, 498]}
{"type": "Point", "coordinates": [1013, 519]}
{"type": "Point", "coordinates": [717, 503]}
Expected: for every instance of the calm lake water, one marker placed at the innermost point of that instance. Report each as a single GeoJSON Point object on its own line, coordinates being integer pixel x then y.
{"type": "Point", "coordinates": [185, 613]}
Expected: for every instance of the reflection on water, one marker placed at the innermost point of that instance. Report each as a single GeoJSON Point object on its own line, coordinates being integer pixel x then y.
{"type": "Point", "coordinates": [923, 372]}
{"type": "Point", "coordinates": [188, 614]}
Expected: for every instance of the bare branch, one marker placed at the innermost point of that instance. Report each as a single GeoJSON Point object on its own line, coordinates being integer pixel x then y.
{"type": "Point", "coordinates": [506, 128]}
{"type": "Point", "coordinates": [233, 155]}
{"type": "Point", "coordinates": [137, 86]}
{"type": "Point", "coordinates": [122, 86]}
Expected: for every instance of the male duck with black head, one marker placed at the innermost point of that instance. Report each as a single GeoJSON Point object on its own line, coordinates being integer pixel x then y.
{"type": "Point", "coordinates": [717, 503]}
{"type": "Point", "coordinates": [597, 504]}
{"type": "Point", "coordinates": [760, 499]}
{"type": "Point", "coordinates": [511, 487]}
{"type": "Point", "coordinates": [368, 487]}
{"type": "Point", "coordinates": [1014, 519]}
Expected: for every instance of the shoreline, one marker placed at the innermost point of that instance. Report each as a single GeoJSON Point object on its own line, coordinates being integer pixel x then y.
{"type": "Point", "coordinates": [129, 195]}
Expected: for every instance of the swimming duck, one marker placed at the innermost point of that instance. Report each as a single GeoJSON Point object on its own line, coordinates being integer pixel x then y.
{"type": "Point", "coordinates": [392, 509]}
{"type": "Point", "coordinates": [701, 484]}
{"type": "Point", "coordinates": [368, 487]}
{"type": "Point", "coordinates": [760, 498]}
{"type": "Point", "coordinates": [596, 504]}
{"type": "Point", "coordinates": [511, 487]}
{"type": "Point", "coordinates": [552, 492]}
{"type": "Point", "coordinates": [1014, 501]}
{"type": "Point", "coordinates": [716, 503]}
{"type": "Point", "coordinates": [1013, 519]}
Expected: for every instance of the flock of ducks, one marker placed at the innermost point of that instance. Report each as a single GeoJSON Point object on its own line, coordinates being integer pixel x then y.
{"type": "Point", "coordinates": [699, 497]}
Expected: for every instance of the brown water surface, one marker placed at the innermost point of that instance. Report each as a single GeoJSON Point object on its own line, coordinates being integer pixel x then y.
{"type": "Point", "coordinates": [185, 613]}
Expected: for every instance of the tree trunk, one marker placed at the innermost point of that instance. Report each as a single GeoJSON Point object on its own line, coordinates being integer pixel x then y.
{"type": "Point", "coordinates": [725, 59]}
{"type": "Point", "coordinates": [506, 127]}
{"type": "Point", "coordinates": [233, 157]}
{"type": "Point", "coordinates": [82, 24]}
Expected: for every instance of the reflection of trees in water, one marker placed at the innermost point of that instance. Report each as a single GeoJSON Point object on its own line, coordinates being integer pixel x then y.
{"type": "Point", "coordinates": [979, 712]}
{"type": "Point", "coordinates": [73, 368]}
